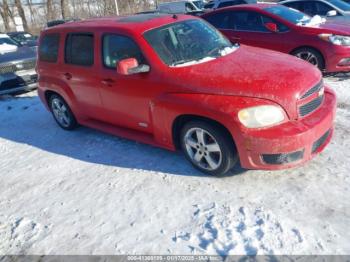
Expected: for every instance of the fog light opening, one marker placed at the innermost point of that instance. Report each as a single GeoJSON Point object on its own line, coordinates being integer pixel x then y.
{"type": "Point", "coordinates": [344, 62]}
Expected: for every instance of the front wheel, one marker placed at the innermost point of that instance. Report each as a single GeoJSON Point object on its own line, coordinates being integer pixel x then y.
{"type": "Point", "coordinates": [208, 148]}
{"type": "Point", "coordinates": [62, 113]}
{"type": "Point", "coordinates": [310, 55]}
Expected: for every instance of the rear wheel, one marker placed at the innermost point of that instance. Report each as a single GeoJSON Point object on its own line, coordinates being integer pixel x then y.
{"type": "Point", "coordinates": [310, 55]}
{"type": "Point", "coordinates": [62, 113]}
{"type": "Point", "coordinates": [208, 148]}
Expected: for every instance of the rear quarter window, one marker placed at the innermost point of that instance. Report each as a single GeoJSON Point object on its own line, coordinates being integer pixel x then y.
{"type": "Point", "coordinates": [48, 49]}
{"type": "Point", "coordinates": [220, 20]}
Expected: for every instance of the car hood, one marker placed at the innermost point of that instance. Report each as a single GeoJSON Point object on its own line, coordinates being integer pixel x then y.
{"type": "Point", "coordinates": [251, 72]}
{"type": "Point", "coordinates": [21, 53]}
{"type": "Point", "coordinates": [5, 48]}
{"type": "Point", "coordinates": [337, 25]}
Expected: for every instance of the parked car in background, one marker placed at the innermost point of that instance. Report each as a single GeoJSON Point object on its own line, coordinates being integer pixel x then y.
{"type": "Point", "coordinates": [181, 7]}
{"type": "Point", "coordinates": [151, 78]}
{"type": "Point", "coordinates": [17, 67]}
{"type": "Point", "coordinates": [320, 7]}
{"type": "Point", "coordinates": [7, 44]}
{"type": "Point", "coordinates": [225, 3]}
{"type": "Point", "coordinates": [321, 43]}
{"type": "Point", "coordinates": [24, 38]}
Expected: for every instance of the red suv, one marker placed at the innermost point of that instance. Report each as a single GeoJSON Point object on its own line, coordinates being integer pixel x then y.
{"type": "Point", "coordinates": [323, 43]}
{"type": "Point", "coordinates": [176, 82]}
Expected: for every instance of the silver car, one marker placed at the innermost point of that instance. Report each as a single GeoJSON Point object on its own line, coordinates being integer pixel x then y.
{"type": "Point", "coordinates": [17, 67]}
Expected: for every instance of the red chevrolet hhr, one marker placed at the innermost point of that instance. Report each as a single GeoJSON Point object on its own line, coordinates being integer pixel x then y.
{"type": "Point", "coordinates": [176, 82]}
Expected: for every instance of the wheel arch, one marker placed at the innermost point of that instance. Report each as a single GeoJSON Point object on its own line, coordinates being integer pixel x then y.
{"type": "Point", "coordinates": [48, 94]}
{"type": "Point", "coordinates": [310, 47]}
{"type": "Point", "coordinates": [181, 120]}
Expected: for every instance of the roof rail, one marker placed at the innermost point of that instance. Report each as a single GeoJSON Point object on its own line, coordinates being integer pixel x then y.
{"type": "Point", "coordinates": [60, 22]}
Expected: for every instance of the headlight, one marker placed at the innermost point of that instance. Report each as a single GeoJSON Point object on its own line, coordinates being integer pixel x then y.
{"type": "Point", "coordinates": [336, 39]}
{"type": "Point", "coordinates": [261, 116]}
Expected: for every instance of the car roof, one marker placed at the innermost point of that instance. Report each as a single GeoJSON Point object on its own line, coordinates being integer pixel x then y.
{"type": "Point", "coordinates": [138, 22]}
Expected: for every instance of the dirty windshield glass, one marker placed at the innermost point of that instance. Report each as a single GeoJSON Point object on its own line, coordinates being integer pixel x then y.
{"type": "Point", "coordinates": [291, 15]}
{"type": "Point", "coordinates": [188, 42]}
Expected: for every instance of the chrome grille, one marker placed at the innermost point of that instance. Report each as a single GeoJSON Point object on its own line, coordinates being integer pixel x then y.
{"type": "Point", "coordinates": [7, 69]}
{"type": "Point", "coordinates": [20, 66]}
{"type": "Point", "coordinates": [313, 90]}
{"type": "Point", "coordinates": [311, 106]}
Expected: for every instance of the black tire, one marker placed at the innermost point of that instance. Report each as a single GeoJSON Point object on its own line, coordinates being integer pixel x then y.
{"type": "Point", "coordinates": [67, 125]}
{"type": "Point", "coordinates": [316, 60]}
{"type": "Point", "coordinates": [216, 135]}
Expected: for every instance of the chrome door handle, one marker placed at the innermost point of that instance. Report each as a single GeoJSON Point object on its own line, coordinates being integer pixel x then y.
{"type": "Point", "coordinates": [107, 82]}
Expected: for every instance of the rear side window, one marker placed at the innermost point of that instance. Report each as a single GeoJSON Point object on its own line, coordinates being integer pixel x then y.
{"type": "Point", "coordinates": [48, 49]}
{"type": "Point", "coordinates": [117, 47]}
{"type": "Point", "coordinates": [220, 20]}
{"type": "Point", "coordinates": [80, 49]}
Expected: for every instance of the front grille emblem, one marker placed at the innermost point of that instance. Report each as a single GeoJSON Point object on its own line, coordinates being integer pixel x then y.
{"type": "Point", "coordinates": [19, 66]}
{"type": "Point", "coordinates": [321, 92]}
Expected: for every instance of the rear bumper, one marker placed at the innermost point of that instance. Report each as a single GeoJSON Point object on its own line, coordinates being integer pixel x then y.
{"type": "Point", "coordinates": [291, 143]}
{"type": "Point", "coordinates": [335, 56]}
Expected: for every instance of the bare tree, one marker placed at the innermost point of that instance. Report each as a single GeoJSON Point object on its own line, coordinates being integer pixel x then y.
{"type": "Point", "coordinates": [49, 9]}
{"type": "Point", "coordinates": [32, 17]}
{"type": "Point", "coordinates": [21, 13]}
{"type": "Point", "coordinates": [5, 14]}
{"type": "Point", "coordinates": [64, 10]}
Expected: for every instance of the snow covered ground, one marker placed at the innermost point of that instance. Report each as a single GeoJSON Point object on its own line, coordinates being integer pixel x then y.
{"type": "Point", "coordinates": [85, 192]}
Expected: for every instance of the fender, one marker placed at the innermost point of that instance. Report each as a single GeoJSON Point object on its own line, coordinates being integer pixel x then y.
{"type": "Point", "coordinates": [220, 108]}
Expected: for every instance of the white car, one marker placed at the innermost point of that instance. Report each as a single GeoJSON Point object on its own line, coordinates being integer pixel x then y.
{"type": "Point", "coordinates": [181, 7]}
{"type": "Point", "coordinates": [215, 4]}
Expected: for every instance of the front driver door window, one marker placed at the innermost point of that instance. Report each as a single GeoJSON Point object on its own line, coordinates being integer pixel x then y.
{"type": "Point", "coordinates": [323, 9]}
{"type": "Point", "coordinates": [250, 28]}
{"type": "Point", "coordinates": [125, 99]}
{"type": "Point", "coordinates": [309, 7]}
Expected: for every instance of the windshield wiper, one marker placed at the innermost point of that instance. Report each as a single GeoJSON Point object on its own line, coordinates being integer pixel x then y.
{"type": "Point", "coordinates": [182, 62]}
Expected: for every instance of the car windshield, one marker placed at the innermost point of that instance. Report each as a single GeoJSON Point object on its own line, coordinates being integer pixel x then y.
{"type": "Point", "coordinates": [23, 37]}
{"type": "Point", "coordinates": [340, 4]}
{"type": "Point", "coordinates": [289, 14]}
{"type": "Point", "coordinates": [199, 4]}
{"type": "Point", "coordinates": [188, 42]}
{"type": "Point", "coordinates": [209, 5]}
{"type": "Point", "coordinates": [8, 41]}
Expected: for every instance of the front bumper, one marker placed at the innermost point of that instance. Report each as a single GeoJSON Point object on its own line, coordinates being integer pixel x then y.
{"type": "Point", "coordinates": [289, 144]}
{"type": "Point", "coordinates": [19, 81]}
{"type": "Point", "coordinates": [334, 56]}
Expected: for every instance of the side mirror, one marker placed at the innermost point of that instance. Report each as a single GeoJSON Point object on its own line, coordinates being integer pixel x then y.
{"type": "Point", "coordinates": [272, 27]}
{"type": "Point", "coordinates": [331, 13]}
{"type": "Point", "coordinates": [130, 66]}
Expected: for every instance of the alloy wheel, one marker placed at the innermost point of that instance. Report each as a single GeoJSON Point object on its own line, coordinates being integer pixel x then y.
{"type": "Point", "coordinates": [203, 149]}
{"type": "Point", "coordinates": [60, 112]}
{"type": "Point", "coordinates": [309, 57]}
